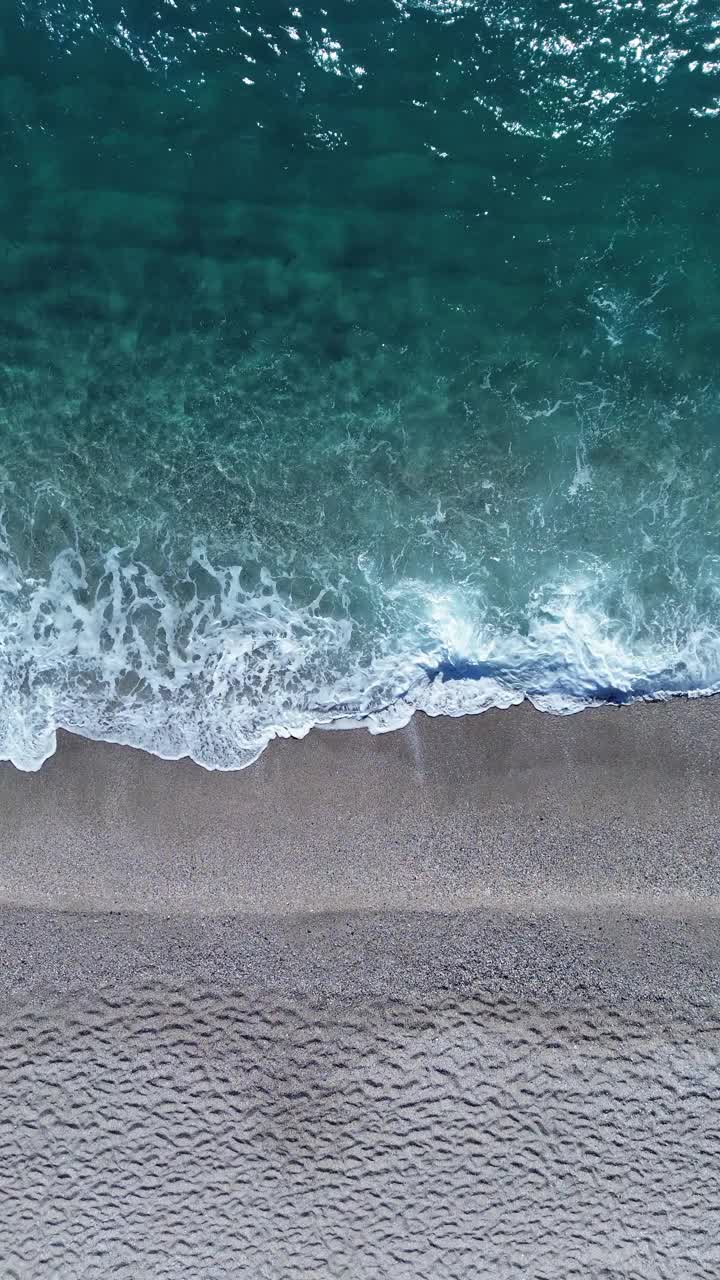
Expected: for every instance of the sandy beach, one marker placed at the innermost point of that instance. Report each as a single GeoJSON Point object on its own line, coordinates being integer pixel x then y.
{"type": "Point", "coordinates": [307, 1019]}
{"type": "Point", "coordinates": [378, 861]}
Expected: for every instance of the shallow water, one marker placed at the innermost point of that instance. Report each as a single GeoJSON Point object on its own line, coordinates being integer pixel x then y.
{"type": "Point", "coordinates": [353, 360]}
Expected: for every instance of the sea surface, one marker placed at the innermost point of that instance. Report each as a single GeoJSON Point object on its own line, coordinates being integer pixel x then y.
{"type": "Point", "coordinates": [354, 360]}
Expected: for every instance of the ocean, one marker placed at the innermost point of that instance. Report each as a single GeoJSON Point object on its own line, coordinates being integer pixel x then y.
{"type": "Point", "coordinates": [354, 360]}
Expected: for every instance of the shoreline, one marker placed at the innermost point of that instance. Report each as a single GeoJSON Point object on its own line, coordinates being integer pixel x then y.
{"type": "Point", "coordinates": [560, 706]}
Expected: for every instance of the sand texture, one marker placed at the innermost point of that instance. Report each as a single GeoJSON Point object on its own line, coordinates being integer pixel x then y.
{"type": "Point", "coordinates": [439, 1004]}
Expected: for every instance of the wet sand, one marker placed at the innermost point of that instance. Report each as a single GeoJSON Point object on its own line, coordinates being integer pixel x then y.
{"type": "Point", "coordinates": [513, 851]}
{"type": "Point", "coordinates": [610, 807]}
{"type": "Point", "coordinates": [440, 1003]}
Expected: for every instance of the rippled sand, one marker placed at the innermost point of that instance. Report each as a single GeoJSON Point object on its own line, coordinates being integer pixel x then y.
{"type": "Point", "coordinates": [187, 1133]}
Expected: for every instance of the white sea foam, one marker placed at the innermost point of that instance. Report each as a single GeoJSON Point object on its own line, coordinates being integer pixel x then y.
{"type": "Point", "coordinates": [216, 673]}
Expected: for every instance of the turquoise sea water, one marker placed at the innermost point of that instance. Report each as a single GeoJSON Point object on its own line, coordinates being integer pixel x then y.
{"type": "Point", "coordinates": [353, 360]}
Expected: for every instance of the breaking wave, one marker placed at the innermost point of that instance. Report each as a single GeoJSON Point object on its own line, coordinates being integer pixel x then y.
{"type": "Point", "coordinates": [204, 667]}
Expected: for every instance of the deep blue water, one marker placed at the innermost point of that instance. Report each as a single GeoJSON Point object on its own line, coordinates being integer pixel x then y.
{"type": "Point", "coordinates": [353, 360]}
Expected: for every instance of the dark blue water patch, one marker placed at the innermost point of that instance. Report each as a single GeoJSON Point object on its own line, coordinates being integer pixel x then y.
{"type": "Point", "coordinates": [538, 680]}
